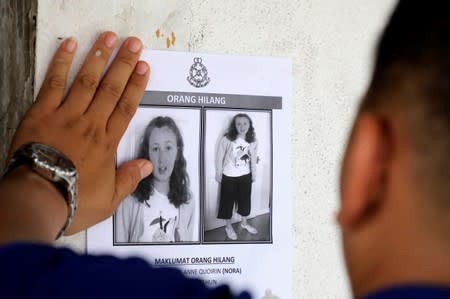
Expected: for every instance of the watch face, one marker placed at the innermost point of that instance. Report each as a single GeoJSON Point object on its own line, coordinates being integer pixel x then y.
{"type": "Point", "coordinates": [53, 157]}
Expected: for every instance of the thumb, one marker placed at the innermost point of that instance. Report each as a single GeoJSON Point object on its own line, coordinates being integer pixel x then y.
{"type": "Point", "coordinates": [128, 176]}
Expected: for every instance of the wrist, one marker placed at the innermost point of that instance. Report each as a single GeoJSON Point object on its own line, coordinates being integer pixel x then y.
{"type": "Point", "coordinates": [31, 207]}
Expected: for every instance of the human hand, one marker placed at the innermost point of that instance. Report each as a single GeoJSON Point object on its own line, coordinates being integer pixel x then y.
{"type": "Point", "coordinates": [88, 124]}
{"type": "Point", "coordinates": [219, 177]}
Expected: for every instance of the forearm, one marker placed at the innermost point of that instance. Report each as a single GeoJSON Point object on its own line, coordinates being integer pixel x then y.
{"type": "Point", "coordinates": [254, 159]}
{"type": "Point", "coordinates": [31, 208]}
{"type": "Point", "coordinates": [220, 155]}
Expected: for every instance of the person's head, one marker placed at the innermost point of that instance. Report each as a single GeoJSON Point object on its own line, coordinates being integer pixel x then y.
{"type": "Point", "coordinates": [163, 145]}
{"type": "Point", "coordinates": [395, 180]}
{"type": "Point", "coordinates": [241, 124]}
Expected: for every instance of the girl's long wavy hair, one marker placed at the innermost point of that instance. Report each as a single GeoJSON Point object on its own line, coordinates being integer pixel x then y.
{"type": "Point", "coordinates": [179, 192]}
{"type": "Point", "coordinates": [232, 132]}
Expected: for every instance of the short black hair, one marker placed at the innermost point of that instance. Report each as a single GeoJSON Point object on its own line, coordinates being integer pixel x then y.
{"type": "Point", "coordinates": [412, 77]}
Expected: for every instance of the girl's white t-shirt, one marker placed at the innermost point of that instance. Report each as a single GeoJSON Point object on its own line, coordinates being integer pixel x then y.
{"type": "Point", "coordinates": [237, 161]}
{"type": "Point", "coordinates": [160, 219]}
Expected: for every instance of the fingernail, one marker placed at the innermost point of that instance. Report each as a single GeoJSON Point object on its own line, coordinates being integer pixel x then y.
{"type": "Point", "coordinates": [134, 45]}
{"type": "Point", "coordinates": [70, 45]}
{"type": "Point", "coordinates": [141, 68]}
{"type": "Point", "coordinates": [146, 169]}
{"type": "Point", "coordinates": [110, 39]}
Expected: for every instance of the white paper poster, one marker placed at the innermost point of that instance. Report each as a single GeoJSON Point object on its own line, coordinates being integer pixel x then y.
{"type": "Point", "coordinates": [218, 203]}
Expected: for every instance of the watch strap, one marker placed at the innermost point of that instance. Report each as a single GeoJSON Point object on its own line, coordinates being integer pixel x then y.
{"type": "Point", "coordinates": [64, 177]}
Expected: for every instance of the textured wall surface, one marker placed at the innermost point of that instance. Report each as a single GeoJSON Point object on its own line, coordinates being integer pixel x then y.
{"type": "Point", "coordinates": [17, 41]}
{"type": "Point", "coordinates": [330, 43]}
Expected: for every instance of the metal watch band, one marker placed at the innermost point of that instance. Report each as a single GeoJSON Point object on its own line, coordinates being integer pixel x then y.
{"type": "Point", "coordinates": [54, 166]}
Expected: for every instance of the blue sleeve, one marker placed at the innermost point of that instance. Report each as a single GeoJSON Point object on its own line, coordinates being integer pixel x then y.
{"type": "Point", "coordinates": [39, 271]}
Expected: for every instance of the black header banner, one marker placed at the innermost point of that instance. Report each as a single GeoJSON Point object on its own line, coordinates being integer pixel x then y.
{"type": "Point", "coordinates": [173, 98]}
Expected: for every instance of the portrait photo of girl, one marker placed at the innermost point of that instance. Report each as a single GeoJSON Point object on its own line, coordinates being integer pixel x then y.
{"type": "Point", "coordinates": [163, 208]}
{"type": "Point", "coordinates": [242, 208]}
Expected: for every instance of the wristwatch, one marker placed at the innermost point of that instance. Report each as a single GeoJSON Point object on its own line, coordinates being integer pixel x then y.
{"type": "Point", "coordinates": [54, 166]}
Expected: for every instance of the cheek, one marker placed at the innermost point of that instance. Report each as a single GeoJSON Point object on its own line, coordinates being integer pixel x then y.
{"type": "Point", "coordinates": [153, 157]}
{"type": "Point", "coordinates": [172, 158]}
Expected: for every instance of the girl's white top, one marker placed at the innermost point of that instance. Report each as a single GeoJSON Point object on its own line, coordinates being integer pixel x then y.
{"type": "Point", "coordinates": [160, 219]}
{"type": "Point", "coordinates": [238, 159]}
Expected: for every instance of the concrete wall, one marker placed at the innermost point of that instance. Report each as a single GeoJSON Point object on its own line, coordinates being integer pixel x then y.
{"type": "Point", "coordinates": [330, 43]}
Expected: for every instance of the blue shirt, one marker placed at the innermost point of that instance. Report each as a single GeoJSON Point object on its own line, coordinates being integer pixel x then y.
{"type": "Point", "coordinates": [40, 271]}
{"type": "Point", "coordinates": [411, 292]}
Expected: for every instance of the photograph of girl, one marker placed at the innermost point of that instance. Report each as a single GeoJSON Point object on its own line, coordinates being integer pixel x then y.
{"type": "Point", "coordinates": [236, 158]}
{"type": "Point", "coordinates": [235, 164]}
{"type": "Point", "coordinates": [162, 208]}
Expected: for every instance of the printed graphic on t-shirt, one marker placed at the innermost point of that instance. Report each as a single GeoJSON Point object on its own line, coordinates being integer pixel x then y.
{"type": "Point", "coordinates": [163, 229]}
{"type": "Point", "coordinates": [241, 156]}
{"type": "Point", "coordinates": [238, 159]}
{"type": "Point", "coordinates": [160, 219]}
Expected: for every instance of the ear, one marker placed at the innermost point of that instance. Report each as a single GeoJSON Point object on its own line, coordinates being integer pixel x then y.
{"type": "Point", "coordinates": [363, 171]}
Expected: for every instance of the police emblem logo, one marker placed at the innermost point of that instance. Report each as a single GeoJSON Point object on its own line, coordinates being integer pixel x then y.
{"type": "Point", "coordinates": [198, 74]}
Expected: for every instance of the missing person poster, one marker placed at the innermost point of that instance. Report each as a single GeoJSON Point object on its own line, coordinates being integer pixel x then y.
{"type": "Point", "coordinates": [218, 203]}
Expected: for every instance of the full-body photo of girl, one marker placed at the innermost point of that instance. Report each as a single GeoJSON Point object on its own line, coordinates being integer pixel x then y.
{"type": "Point", "coordinates": [236, 171]}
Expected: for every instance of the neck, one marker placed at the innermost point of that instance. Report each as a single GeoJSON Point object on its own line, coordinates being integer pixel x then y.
{"type": "Point", "coordinates": [162, 187]}
{"type": "Point", "coordinates": [409, 248]}
{"type": "Point", "coordinates": [408, 268]}
{"type": "Point", "coordinates": [241, 136]}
